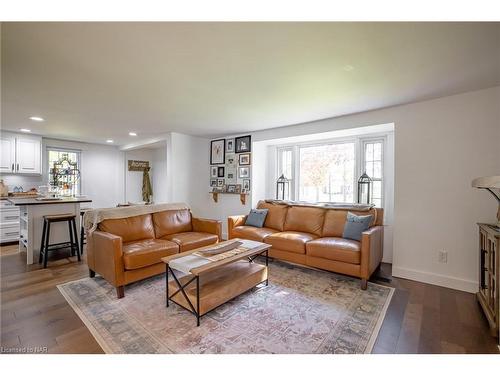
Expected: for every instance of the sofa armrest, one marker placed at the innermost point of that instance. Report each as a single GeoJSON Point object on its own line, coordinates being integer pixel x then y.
{"type": "Point", "coordinates": [107, 254]}
{"type": "Point", "coordinates": [372, 247]}
{"type": "Point", "coordinates": [233, 222]}
{"type": "Point", "coordinates": [207, 226]}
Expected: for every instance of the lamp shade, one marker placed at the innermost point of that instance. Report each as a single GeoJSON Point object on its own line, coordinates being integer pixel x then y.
{"type": "Point", "coordinates": [486, 182]}
{"type": "Point", "coordinates": [492, 184]}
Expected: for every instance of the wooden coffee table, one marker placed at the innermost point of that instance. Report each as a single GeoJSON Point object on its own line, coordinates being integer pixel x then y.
{"type": "Point", "coordinates": [207, 286]}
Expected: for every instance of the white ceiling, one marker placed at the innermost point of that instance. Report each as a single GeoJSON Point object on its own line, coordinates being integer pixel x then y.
{"type": "Point", "coordinates": [93, 81]}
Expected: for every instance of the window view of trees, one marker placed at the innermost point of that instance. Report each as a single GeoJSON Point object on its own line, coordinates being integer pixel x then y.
{"type": "Point", "coordinates": [327, 173]}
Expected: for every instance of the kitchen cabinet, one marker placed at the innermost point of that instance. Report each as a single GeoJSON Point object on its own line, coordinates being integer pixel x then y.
{"type": "Point", "coordinates": [8, 153]}
{"type": "Point", "coordinates": [21, 154]}
{"type": "Point", "coordinates": [9, 222]}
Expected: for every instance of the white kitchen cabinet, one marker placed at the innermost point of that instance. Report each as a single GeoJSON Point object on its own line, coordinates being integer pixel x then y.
{"type": "Point", "coordinates": [9, 222]}
{"type": "Point", "coordinates": [7, 153]}
{"type": "Point", "coordinates": [21, 154]}
{"type": "Point", "coordinates": [28, 155]}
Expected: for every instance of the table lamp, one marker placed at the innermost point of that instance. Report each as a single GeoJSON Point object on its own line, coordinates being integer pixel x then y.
{"type": "Point", "coordinates": [492, 184]}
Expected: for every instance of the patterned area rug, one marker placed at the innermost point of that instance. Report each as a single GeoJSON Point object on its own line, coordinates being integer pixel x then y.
{"type": "Point", "coordinates": [301, 311]}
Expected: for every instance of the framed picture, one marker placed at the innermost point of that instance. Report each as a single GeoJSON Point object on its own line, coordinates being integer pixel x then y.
{"type": "Point", "coordinates": [230, 159]}
{"type": "Point", "coordinates": [213, 172]}
{"type": "Point", "coordinates": [230, 146]}
{"type": "Point", "coordinates": [220, 182]}
{"type": "Point", "coordinates": [244, 159]}
{"type": "Point", "coordinates": [243, 144]}
{"type": "Point", "coordinates": [213, 182]}
{"type": "Point", "coordinates": [220, 171]}
{"type": "Point", "coordinates": [238, 189]}
{"type": "Point", "coordinates": [231, 188]}
{"type": "Point", "coordinates": [243, 172]}
{"type": "Point", "coordinates": [246, 184]}
{"type": "Point", "coordinates": [231, 175]}
{"type": "Point", "coordinates": [217, 151]}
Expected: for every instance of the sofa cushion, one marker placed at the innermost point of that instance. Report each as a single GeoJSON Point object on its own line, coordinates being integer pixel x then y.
{"type": "Point", "coordinates": [252, 233]}
{"type": "Point", "coordinates": [133, 228]}
{"type": "Point", "coordinates": [192, 240]}
{"type": "Point", "coordinates": [334, 248]}
{"type": "Point", "coordinates": [335, 220]}
{"type": "Point", "coordinates": [356, 225]}
{"type": "Point", "coordinates": [290, 241]}
{"type": "Point", "coordinates": [256, 217]}
{"type": "Point", "coordinates": [305, 219]}
{"type": "Point", "coordinates": [138, 254]}
{"type": "Point", "coordinates": [172, 221]}
{"type": "Point", "coordinates": [276, 214]}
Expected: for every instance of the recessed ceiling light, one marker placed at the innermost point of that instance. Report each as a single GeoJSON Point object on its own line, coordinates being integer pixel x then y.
{"type": "Point", "coordinates": [133, 134]}
{"type": "Point", "coordinates": [25, 130]}
{"type": "Point", "coordinates": [109, 141]}
{"type": "Point", "coordinates": [36, 118]}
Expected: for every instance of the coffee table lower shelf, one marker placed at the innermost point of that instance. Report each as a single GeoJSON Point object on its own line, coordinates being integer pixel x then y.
{"type": "Point", "coordinates": [201, 294]}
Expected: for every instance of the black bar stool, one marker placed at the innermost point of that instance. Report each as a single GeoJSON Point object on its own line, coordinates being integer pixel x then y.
{"type": "Point", "coordinates": [83, 240]}
{"type": "Point", "coordinates": [45, 245]}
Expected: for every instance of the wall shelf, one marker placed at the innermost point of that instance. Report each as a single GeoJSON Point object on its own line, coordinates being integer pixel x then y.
{"type": "Point", "coordinates": [215, 196]}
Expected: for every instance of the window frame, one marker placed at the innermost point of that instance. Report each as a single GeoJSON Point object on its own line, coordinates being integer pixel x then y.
{"type": "Point", "coordinates": [65, 149]}
{"type": "Point", "coordinates": [363, 142]}
{"type": "Point", "coordinates": [359, 162]}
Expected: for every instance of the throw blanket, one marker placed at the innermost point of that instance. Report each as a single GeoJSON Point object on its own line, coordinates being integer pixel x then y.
{"type": "Point", "coordinates": [338, 206]}
{"type": "Point", "coordinates": [92, 218]}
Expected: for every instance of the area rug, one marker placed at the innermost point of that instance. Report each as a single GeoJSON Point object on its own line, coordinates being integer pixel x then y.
{"type": "Point", "coordinates": [302, 310]}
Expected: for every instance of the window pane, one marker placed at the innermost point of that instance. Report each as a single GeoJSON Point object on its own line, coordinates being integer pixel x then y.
{"type": "Point", "coordinates": [327, 173]}
{"type": "Point", "coordinates": [67, 182]}
{"type": "Point", "coordinates": [369, 152]}
{"type": "Point", "coordinates": [377, 189]}
{"type": "Point", "coordinates": [377, 169]}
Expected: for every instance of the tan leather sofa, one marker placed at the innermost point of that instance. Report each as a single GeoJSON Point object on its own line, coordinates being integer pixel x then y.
{"type": "Point", "coordinates": [127, 250]}
{"type": "Point", "coordinates": [312, 235]}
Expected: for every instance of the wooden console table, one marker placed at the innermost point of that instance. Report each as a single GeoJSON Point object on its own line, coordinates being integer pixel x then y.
{"type": "Point", "coordinates": [488, 295]}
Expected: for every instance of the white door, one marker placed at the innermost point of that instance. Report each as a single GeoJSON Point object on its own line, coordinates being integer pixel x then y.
{"type": "Point", "coordinates": [7, 154]}
{"type": "Point", "coordinates": [28, 155]}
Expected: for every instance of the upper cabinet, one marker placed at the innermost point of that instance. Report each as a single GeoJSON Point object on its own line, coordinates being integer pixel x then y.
{"type": "Point", "coordinates": [7, 153]}
{"type": "Point", "coordinates": [21, 154]}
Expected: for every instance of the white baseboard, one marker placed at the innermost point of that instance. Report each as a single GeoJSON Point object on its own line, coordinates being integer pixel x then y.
{"type": "Point", "coordinates": [470, 286]}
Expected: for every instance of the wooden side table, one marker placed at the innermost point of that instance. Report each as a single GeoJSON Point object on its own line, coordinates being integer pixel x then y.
{"type": "Point", "coordinates": [488, 295]}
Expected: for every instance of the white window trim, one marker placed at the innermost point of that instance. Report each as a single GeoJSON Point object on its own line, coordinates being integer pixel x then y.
{"type": "Point", "coordinates": [64, 149]}
{"type": "Point", "coordinates": [359, 146]}
{"type": "Point", "coordinates": [363, 142]}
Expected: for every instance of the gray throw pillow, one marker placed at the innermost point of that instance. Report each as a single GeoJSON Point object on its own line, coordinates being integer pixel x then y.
{"type": "Point", "coordinates": [356, 225]}
{"type": "Point", "coordinates": [256, 217]}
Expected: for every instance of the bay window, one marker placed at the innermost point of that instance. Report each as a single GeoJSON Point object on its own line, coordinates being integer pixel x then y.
{"type": "Point", "coordinates": [329, 171]}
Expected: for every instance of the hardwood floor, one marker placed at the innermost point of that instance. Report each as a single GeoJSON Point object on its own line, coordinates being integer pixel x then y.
{"type": "Point", "coordinates": [421, 318]}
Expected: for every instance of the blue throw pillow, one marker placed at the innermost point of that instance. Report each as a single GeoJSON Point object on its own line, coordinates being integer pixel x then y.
{"type": "Point", "coordinates": [256, 217]}
{"type": "Point", "coordinates": [356, 225]}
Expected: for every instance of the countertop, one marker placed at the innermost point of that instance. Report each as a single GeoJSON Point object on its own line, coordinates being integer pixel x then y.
{"type": "Point", "coordinates": [33, 201]}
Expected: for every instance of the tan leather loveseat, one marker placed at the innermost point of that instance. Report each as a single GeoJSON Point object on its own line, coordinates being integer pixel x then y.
{"type": "Point", "coordinates": [127, 250]}
{"type": "Point", "coordinates": [312, 235]}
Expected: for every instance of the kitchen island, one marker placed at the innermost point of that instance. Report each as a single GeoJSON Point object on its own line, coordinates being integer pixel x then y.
{"type": "Point", "coordinates": [32, 211]}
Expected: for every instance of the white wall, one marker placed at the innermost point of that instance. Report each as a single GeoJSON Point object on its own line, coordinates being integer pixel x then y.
{"type": "Point", "coordinates": [101, 171]}
{"type": "Point", "coordinates": [440, 145]}
{"type": "Point", "coordinates": [188, 172]}
{"type": "Point", "coordinates": [160, 174]}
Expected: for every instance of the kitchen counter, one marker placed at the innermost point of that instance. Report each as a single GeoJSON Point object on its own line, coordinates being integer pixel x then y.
{"type": "Point", "coordinates": [31, 216]}
{"type": "Point", "coordinates": [34, 201]}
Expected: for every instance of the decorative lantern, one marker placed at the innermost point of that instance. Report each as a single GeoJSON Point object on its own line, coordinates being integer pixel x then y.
{"type": "Point", "coordinates": [364, 189]}
{"type": "Point", "coordinates": [282, 188]}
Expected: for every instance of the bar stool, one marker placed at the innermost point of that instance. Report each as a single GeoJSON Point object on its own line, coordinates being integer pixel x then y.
{"type": "Point", "coordinates": [46, 246]}
{"type": "Point", "coordinates": [83, 240]}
